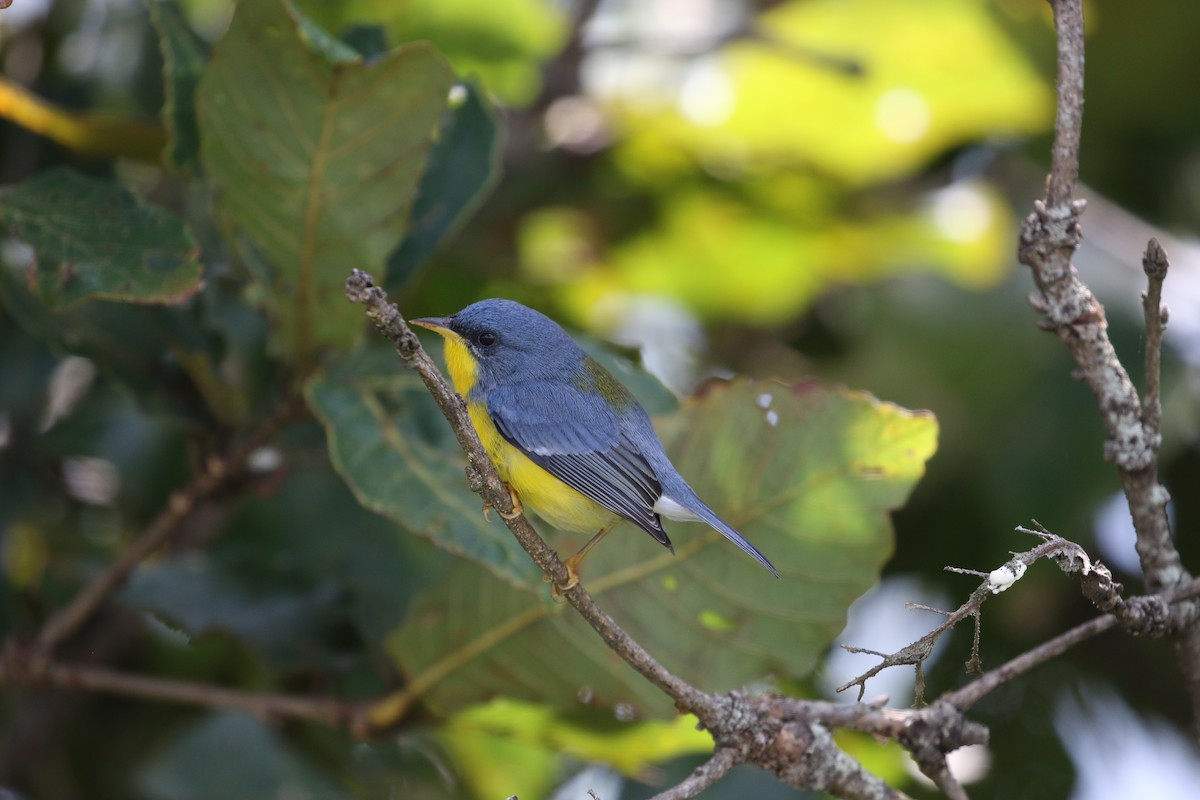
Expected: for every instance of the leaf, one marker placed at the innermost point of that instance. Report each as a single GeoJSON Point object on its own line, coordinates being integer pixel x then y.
{"type": "Point", "coordinates": [799, 251]}
{"type": "Point", "coordinates": [464, 166]}
{"type": "Point", "coordinates": [288, 629]}
{"type": "Point", "coordinates": [477, 737]}
{"type": "Point", "coordinates": [773, 100]}
{"type": "Point", "coordinates": [184, 57]}
{"type": "Point", "coordinates": [807, 474]}
{"type": "Point", "coordinates": [317, 158]}
{"type": "Point", "coordinates": [95, 239]}
{"type": "Point", "coordinates": [390, 443]}
{"type": "Point", "coordinates": [230, 756]}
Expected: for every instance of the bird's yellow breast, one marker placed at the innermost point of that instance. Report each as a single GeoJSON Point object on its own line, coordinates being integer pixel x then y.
{"type": "Point", "coordinates": [554, 501]}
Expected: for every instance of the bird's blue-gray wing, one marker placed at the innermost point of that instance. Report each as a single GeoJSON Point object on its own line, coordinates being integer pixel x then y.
{"type": "Point", "coordinates": [578, 439]}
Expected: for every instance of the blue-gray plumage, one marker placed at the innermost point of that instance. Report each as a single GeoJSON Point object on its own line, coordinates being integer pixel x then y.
{"type": "Point", "coordinates": [568, 415]}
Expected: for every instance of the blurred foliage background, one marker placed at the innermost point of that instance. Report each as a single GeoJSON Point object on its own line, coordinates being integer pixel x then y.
{"type": "Point", "coordinates": [797, 190]}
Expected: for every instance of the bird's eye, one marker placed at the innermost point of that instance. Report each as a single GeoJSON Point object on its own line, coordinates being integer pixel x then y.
{"type": "Point", "coordinates": [487, 338]}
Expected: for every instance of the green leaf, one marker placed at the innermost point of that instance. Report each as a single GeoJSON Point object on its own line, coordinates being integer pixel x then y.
{"type": "Point", "coordinates": [288, 629]}
{"type": "Point", "coordinates": [463, 167]}
{"type": "Point", "coordinates": [184, 57]}
{"type": "Point", "coordinates": [910, 99]}
{"type": "Point", "coordinates": [521, 746]}
{"type": "Point", "coordinates": [807, 474]}
{"type": "Point", "coordinates": [230, 756]}
{"type": "Point", "coordinates": [317, 158]}
{"type": "Point", "coordinates": [368, 41]}
{"type": "Point", "coordinates": [390, 442]}
{"type": "Point", "coordinates": [95, 239]}
{"type": "Point", "coordinates": [800, 246]}
{"type": "Point", "coordinates": [154, 351]}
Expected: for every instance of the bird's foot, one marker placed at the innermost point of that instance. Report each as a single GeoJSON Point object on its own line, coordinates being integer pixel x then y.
{"type": "Point", "coordinates": [518, 506]}
{"type": "Point", "coordinates": [558, 590]}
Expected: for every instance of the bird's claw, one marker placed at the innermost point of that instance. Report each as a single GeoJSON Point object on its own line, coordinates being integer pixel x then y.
{"type": "Point", "coordinates": [518, 507]}
{"type": "Point", "coordinates": [557, 591]}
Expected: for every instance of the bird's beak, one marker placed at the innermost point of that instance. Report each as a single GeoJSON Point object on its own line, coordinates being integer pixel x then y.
{"type": "Point", "coordinates": [438, 324]}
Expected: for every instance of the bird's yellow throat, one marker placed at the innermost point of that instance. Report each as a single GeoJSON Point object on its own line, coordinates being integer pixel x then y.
{"type": "Point", "coordinates": [555, 501]}
{"type": "Point", "coordinates": [462, 366]}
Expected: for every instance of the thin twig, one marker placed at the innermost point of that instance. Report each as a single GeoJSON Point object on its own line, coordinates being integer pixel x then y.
{"type": "Point", "coordinates": [98, 679]}
{"type": "Point", "coordinates": [1070, 557]}
{"type": "Point", "coordinates": [936, 768]}
{"type": "Point", "coordinates": [974, 691]}
{"type": "Point", "coordinates": [1155, 265]}
{"type": "Point", "coordinates": [704, 776]}
{"type": "Point", "coordinates": [216, 473]}
{"type": "Point", "coordinates": [1068, 122]}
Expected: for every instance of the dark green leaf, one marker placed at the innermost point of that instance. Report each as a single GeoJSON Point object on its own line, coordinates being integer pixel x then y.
{"type": "Point", "coordinates": [95, 239]}
{"type": "Point", "coordinates": [395, 450]}
{"type": "Point", "coordinates": [230, 756]}
{"type": "Point", "coordinates": [369, 41]}
{"type": "Point", "coordinates": [158, 353]}
{"type": "Point", "coordinates": [317, 157]}
{"type": "Point", "coordinates": [463, 167]}
{"type": "Point", "coordinates": [184, 57]}
{"type": "Point", "coordinates": [288, 629]}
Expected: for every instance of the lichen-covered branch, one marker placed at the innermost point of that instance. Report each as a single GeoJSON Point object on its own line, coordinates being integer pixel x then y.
{"type": "Point", "coordinates": [1049, 237]}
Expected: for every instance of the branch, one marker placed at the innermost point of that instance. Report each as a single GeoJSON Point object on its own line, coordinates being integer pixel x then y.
{"type": "Point", "coordinates": [217, 473]}
{"type": "Point", "coordinates": [704, 776]}
{"type": "Point", "coordinates": [1049, 237]}
{"type": "Point", "coordinates": [1155, 265]}
{"type": "Point", "coordinates": [977, 689]}
{"type": "Point", "coordinates": [18, 670]}
{"type": "Point", "coordinates": [1068, 123]}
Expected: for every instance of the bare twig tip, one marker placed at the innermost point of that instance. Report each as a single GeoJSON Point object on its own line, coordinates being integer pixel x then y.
{"type": "Point", "coordinates": [360, 286]}
{"type": "Point", "coordinates": [1155, 262]}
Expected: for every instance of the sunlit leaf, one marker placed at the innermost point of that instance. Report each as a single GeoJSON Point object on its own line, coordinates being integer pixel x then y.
{"type": "Point", "coordinates": [184, 57]}
{"type": "Point", "coordinates": [699, 250]}
{"type": "Point", "coordinates": [317, 158]}
{"type": "Point", "coordinates": [503, 43]}
{"type": "Point", "coordinates": [520, 746]}
{"type": "Point", "coordinates": [463, 167]}
{"type": "Point", "coordinates": [774, 99]}
{"type": "Point", "coordinates": [96, 239]}
{"type": "Point", "coordinates": [888, 761]}
{"type": "Point", "coordinates": [807, 474]}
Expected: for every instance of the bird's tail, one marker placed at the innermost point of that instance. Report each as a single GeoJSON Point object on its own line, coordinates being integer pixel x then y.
{"type": "Point", "coordinates": [685, 496]}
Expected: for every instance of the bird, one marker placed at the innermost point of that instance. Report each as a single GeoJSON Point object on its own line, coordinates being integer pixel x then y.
{"type": "Point", "coordinates": [568, 439]}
